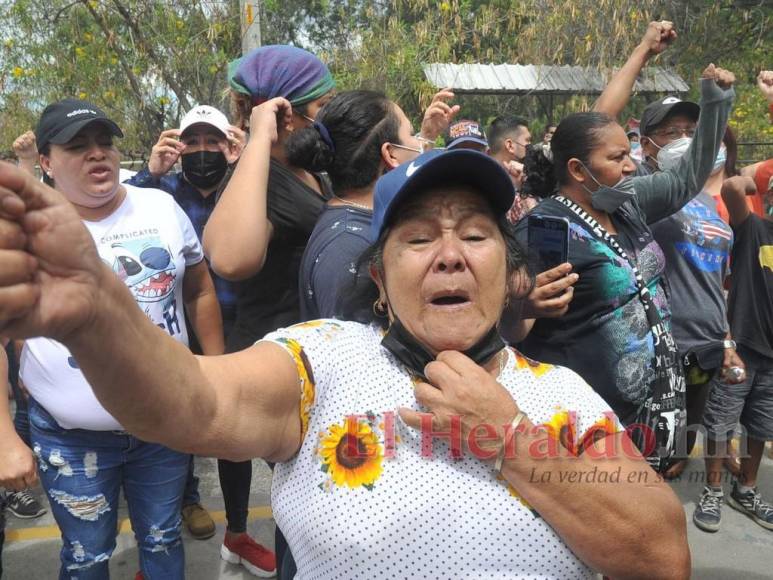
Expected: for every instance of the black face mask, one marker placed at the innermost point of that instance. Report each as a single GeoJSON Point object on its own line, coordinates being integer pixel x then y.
{"type": "Point", "coordinates": [415, 357]}
{"type": "Point", "coordinates": [204, 169]}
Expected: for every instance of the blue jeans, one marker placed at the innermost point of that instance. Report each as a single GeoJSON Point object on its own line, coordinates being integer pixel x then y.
{"type": "Point", "coordinates": [82, 472]}
{"type": "Point", "coordinates": [20, 419]}
{"type": "Point", "coordinates": [191, 493]}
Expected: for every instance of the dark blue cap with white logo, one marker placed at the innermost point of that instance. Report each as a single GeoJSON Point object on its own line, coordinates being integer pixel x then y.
{"type": "Point", "coordinates": [435, 168]}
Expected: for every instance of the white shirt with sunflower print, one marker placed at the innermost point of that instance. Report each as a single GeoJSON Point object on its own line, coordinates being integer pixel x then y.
{"type": "Point", "coordinates": [386, 511]}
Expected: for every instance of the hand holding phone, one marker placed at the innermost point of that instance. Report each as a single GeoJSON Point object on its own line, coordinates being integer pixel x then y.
{"type": "Point", "coordinates": [553, 291]}
{"type": "Point", "coordinates": [548, 242]}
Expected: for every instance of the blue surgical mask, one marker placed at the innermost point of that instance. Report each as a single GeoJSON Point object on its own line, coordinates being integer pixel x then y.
{"type": "Point", "coordinates": [610, 197]}
{"type": "Point", "coordinates": [670, 155]}
{"type": "Point", "coordinates": [721, 159]}
{"type": "Point", "coordinates": [636, 151]}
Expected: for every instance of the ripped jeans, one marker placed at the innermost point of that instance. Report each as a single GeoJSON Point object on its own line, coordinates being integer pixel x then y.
{"type": "Point", "coordinates": [82, 472]}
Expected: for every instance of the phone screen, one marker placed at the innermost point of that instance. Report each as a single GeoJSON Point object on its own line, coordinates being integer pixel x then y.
{"type": "Point", "coordinates": [548, 242]}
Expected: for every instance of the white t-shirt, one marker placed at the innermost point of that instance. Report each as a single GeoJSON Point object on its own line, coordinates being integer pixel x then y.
{"type": "Point", "coordinates": [387, 517]}
{"type": "Point", "coordinates": [148, 242]}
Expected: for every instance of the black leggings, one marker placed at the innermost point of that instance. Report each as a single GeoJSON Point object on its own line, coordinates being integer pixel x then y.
{"type": "Point", "coordinates": [235, 481]}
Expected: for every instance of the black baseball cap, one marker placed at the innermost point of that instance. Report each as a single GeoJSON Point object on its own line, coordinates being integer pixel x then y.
{"type": "Point", "coordinates": [655, 112]}
{"type": "Point", "coordinates": [438, 166]}
{"type": "Point", "coordinates": [61, 121]}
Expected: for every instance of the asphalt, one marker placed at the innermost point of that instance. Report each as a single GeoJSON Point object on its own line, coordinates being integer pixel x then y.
{"type": "Point", "coordinates": [741, 549]}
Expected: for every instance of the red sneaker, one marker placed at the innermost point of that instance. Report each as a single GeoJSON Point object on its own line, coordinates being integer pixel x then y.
{"type": "Point", "coordinates": [139, 576]}
{"type": "Point", "coordinates": [242, 549]}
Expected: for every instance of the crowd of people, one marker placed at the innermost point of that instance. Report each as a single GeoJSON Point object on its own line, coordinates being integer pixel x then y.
{"type": "Point", "coordinates": [355, 301]}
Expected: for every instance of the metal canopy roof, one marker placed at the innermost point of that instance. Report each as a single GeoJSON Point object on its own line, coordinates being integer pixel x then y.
{"type": "Point", "coordinates": [516, 79]}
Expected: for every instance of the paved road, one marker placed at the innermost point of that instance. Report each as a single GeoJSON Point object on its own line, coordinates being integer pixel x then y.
{"type": "Point", "coordinates": [741, 549]}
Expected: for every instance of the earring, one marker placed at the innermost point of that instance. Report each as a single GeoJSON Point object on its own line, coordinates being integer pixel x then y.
{"type": "Point", "coordinates": [379, 309]}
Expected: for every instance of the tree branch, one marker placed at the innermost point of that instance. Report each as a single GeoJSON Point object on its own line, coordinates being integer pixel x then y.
{"type": "Point", "coordinates": [62, 10]}
{"type": "Point", "coordinates": [110, 38]}
{"type": "Point", "coordinates": [165, 74]}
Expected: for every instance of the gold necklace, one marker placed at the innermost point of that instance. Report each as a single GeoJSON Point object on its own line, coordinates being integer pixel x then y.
{"type": "Point", "coordinates": [351, 203]}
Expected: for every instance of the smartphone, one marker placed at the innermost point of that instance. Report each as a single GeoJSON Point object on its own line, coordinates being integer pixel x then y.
{"type": "Point", "coordinates": [548, 242]}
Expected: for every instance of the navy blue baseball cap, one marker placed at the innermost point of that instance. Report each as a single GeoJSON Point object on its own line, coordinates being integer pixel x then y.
{"type": "Point", "coordinates": [465, 131]}
{"type": "Point", "coordinates": [440, 167]}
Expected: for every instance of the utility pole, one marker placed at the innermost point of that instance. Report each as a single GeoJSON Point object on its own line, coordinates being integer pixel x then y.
{"type": "Point", "coordinates": [250, 18]}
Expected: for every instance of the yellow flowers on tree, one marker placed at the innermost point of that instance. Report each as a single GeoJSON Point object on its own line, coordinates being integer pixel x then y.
{"type": "Point", "coordinates": [144, 61]}
{"type": "Point", "coordinates": [142, 50]}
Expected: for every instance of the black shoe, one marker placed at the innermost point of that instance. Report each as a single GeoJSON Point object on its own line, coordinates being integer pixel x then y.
{"type": "Point", "coordinates": [708, 512]}
{"type": "Point", "coordinates": [751, 504]}
{"type": "Point", "coordinates": [23, 505]}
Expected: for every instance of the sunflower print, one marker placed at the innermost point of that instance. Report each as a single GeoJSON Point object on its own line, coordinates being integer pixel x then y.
{"type": "Point", "coordinates": [597, 431]}
{"type": "Point", "coordinates": [311, 324]}
{"type": "Point", "coordinates": [537, 368]}
{"type": "Point", "coordinates": [306, 378]}
{"type": "Point", "coordinates": [351, 453]}
{"type": "Point", "coordinates": [562, 428]}
{"type": "Point", "coordinates": [325, 328]}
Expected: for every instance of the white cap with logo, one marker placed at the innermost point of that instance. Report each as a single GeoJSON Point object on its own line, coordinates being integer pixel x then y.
{"type": "Point", "coordinates": [206, 115]}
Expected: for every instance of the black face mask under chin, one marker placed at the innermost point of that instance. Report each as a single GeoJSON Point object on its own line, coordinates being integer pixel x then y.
{"type": "Point", "coordinates": [405, 348]}
{"type": "Point", "coordinates": [204, 169]}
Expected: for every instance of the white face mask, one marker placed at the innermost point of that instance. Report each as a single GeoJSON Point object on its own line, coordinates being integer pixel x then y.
{"type": "Point", "coordinates": [719, 162]}
{"type": "Point", "coordinates": [670, 155]}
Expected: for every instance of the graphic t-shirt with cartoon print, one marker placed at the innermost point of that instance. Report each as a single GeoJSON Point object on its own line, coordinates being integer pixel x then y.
{"type": "Point", "coordinates": [148, 242]}
{"type": "Point", "coordinates": [390, 508]}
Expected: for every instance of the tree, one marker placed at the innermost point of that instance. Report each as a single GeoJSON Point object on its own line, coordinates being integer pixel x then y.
{"type": "Point", "coordinates": [145, 62]}
{"type": "Point", "coordinates": [404, 34]}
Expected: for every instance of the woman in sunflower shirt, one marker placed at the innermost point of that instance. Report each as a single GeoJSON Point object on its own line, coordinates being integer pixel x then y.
{"type": "Point", "coordinates": [385, 432]}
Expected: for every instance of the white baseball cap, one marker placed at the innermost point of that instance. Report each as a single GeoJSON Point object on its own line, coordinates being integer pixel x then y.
{"type": "Point", "coordinates": [207, 115]}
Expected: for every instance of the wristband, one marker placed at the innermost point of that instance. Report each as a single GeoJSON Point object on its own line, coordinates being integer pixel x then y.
{"type": "Point", "coordinates": [426, 144]}
{"type": "Point", "coordinates": [513, 426]}
{"type": "Point", "coordinates": [729, 344]}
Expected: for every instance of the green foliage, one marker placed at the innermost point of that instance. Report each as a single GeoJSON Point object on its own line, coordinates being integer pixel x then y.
{"type": "Point", "coordinates": [142, 61]}
{"type": "Point", "coordinates": [407, 33]}
{"type": "Point", "coordinates": [736, 35]}
{"type": "Point", "coordinates": [146, 60]}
